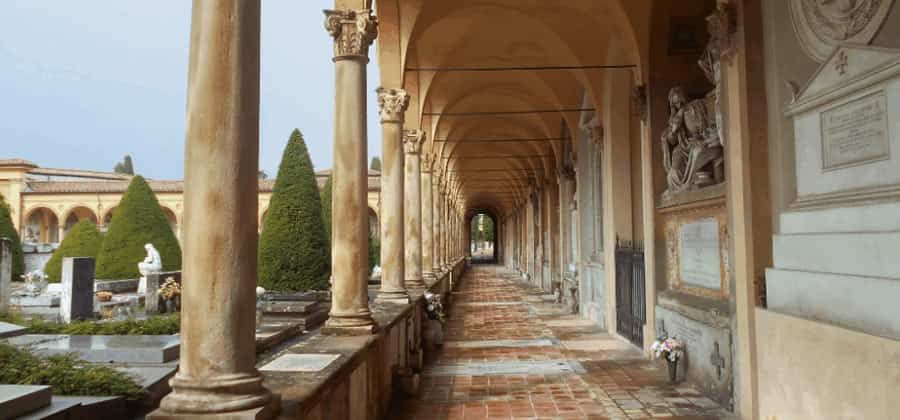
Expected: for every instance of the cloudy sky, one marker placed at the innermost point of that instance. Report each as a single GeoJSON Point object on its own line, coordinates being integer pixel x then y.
{"type": "Point", "coordinates": [83, 83]}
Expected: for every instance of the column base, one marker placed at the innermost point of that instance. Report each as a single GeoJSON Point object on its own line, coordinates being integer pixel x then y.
{"type": "Point", "coordinates": [417, 283]}
{"type": "Point", "coordinates": [267, 412]}
{"type": "Point", "coordinates": [233, 397]}
{"type": "Point", "coordinates": [394, 298]}
{"type": "Point", "coordinates": [348, 331]}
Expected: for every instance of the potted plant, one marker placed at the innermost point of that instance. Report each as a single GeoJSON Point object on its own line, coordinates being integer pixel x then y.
{"type": "Point", "coordinates": [434, 328]}
{"type": "Point", "coordinates": [672, 350]}
{"type": "Point", "coordinates": [170, 292]}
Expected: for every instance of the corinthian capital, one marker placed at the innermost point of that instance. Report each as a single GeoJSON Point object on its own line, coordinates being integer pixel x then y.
{"type": "Point", "coordinates": [392, 103]}
{"type": "Point", "coordinates": [412, 141]}
{"type": "Point", "coordinates": [594, 131]}
{"type": "Point", "coordinates": [353, 32]}
{"type": "Point", "coordinates": [427, 161]}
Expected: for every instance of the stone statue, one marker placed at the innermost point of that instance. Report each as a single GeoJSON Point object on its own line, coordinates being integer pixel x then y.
{"type": "Point", "coordinates": [151, 264]}
{"type": "Point", "coordinates": [692, 149]}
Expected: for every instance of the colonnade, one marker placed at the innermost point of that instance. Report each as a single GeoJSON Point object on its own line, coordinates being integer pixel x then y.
{"type": "Point", "coordinates": [421, 214]}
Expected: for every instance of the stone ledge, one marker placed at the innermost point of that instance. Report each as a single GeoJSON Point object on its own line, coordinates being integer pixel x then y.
{"type": "Point", "coordinates": [303, 393]}
{"type": "Point", "coordinates": [704, 310]}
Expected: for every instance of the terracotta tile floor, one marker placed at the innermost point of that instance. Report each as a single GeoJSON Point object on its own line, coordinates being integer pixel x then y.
{"type": "Point", "coordinates": [612, 379]}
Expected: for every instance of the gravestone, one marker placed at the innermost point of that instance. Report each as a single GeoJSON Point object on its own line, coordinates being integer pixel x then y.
{"type": "Point", "coordinates": [77, 300]}
{"type": "Point", "coordinates": [18, 400]}
{"type": "Point", "coordinates": [5, 272]}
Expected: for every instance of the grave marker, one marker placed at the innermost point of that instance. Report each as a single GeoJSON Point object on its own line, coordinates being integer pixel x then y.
{"type": "Point", "coordinates": [77, 301]}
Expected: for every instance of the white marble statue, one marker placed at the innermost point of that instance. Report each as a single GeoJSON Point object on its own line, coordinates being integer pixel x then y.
{"type": "Point", "coordinates": [151, 264]}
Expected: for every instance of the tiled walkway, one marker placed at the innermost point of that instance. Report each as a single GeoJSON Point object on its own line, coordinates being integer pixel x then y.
{"type": "Point", "coordinates": [511, 353]}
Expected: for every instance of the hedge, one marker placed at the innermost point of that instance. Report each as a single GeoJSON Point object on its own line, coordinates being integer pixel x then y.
{"type": "Point", "coordinates": [7, 230]}
{"type": "Point", "coordinates": [83, 240]}
{"type": "Point", "coordinates": [294, 253]}
{"type": "Point", "coordinates": [138, 220]}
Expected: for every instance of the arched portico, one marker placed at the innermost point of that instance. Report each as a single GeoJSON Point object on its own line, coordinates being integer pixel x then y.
{"type": "Point", "coordinates": [77, 214]}
{"type": "Point", "coordinates": [41, 226]}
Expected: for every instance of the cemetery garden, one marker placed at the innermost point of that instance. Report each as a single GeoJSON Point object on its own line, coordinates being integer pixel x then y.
{"type": "Point", "coordinates": [98, 327]}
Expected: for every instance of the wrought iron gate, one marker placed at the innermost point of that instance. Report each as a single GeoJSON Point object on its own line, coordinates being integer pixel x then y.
{"type": "Point", "coordinates": [631, 305]}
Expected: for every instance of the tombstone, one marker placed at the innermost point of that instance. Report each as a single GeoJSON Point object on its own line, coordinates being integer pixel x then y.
{"type": "Point", "coordinates": [5, 272]}
{"type": "Point", "coordinates": [77, 301]}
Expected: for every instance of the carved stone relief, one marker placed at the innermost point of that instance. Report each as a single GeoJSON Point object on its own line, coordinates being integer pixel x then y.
{"type": "Point", "coordinates": [822, 25]}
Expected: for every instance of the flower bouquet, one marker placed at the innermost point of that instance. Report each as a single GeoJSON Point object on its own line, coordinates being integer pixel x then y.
{"type": "Point", "coordinates": [672, 350]}
{"type": "Point", "coordinates": [104, 296]}
{"type": "Point", "coordinates": [170, 292]}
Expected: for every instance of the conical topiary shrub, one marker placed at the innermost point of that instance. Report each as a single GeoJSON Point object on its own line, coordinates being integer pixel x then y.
{"type": "Point", "coordinates": [138, 220]}
{"type": "Point", "coordinates": [294, 252]}
{"type": "Point", "coordinates": [83, 240]}
{"type": "Point", "coordinates": [7, 230]}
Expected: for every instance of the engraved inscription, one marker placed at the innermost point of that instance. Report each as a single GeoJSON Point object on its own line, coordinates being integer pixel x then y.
{"type": "Point", "coordinates": [855, 133]}
{"type": "Point", "coordinates": [699, 260]}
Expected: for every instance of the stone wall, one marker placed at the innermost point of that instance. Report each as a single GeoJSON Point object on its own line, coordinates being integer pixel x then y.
{"type": "Point", "coordinates": [370, 370]}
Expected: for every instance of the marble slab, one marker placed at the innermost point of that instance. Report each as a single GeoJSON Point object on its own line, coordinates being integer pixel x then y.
{"type": "Point", "coordinates": [39, 300]}
{"type": "Point", "coordinates": [300, 363]}
{"type": "Point", "coordinates": [10, 330]}
{"type": "Point", "coordinates": [698, 256]}
{"type": "Point", "coordinates": [16, 400]}
{"type": "Point", "coordinates": [543, 367]}
{"type": "Point", "coordinates": [105, 348]}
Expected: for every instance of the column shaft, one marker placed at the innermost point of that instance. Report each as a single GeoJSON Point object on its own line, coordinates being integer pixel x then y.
{"type": "Point", "coordinates": [393, 104]}
{"type": "Point", "coordinates": [412, 145]}
{"type": "Point", "coordinates": [436, 224]}
{"type": "Point", "coordinates": [353, 32]}
{"type": "Point", "coordinates": [217, 374]}
{"type": "Point", "coordinates": [427, 220]}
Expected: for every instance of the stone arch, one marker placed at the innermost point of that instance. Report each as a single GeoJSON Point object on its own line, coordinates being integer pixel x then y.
{"type": "Point", "coordinates": [172, 218]}
{"type": "Point", "coordinates": [76, 214]}
{"type": "Point", "coordinates": [41, 225]}
{"type": "Point", "coordinates": [107, 217]}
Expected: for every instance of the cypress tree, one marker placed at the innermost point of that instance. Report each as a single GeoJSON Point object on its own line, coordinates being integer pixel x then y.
{"type": "Point", "coordinates": [138, 220]}
{"type": "Point", "coordinates": [8, 230]}
{"type": "Point", "coordinates": [83, 240]}
{"type": "Point", "coordinates": [294, 252]}
{"type": "Point", "coordinates": [376, 164]}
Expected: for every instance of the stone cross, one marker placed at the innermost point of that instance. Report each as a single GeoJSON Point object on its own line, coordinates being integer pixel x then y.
{"type": "Point", "coordinates": [77, 301]}
{"type": "Point", "coordinates": [717, 360]}
{"type": "Point", "coordinates": [5, 272]}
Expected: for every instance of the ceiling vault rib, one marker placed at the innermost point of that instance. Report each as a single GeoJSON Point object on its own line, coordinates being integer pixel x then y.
{"type": "Point", "coordinates": [479, 113]}
{"type": "Point", "coordinates": [519, 68]}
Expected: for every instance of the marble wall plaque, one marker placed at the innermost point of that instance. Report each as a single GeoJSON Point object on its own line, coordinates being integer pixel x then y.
{"type": "Point", "coordinates": [855, 133]}
{"type": "Point", "coordinates": [699, 254]}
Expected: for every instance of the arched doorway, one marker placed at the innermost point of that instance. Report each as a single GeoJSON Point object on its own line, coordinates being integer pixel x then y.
{"type": "Point", "coordinates": [483, 238]}
{"type": "Point", "coordinates": [41, 226]}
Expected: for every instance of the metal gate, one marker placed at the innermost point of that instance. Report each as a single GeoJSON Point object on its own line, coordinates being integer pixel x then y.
{"type": "Point", "coordinates": [631, 305]}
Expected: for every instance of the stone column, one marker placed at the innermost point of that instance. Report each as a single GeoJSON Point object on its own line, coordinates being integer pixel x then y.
{"type": "Point", "coordinates": [353, 31]}
{"type": "Point", "coordinates": [427, 220]}
{"type": "Point", "coordinates": [436, 223]}
{"type": "Point", "coordinates": [445, 230]}
{"type": "Point", "coordinates": [412, 147]}
{"type": "Point", "coordinates": [393, 104]}
{"type": "Point", "coordinates": [216, 375]}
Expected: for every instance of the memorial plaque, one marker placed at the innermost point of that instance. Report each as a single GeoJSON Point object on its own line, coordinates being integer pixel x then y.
{"type": "Point", "coordinates": [698, 260]}
{"type": "Point", "coordinates": [855, 133]}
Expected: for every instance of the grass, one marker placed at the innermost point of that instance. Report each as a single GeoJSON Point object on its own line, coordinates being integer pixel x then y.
{"type": "Point", "coordinates": [154, 325]}
{"type": "Point", "coordinates": [65, 374]}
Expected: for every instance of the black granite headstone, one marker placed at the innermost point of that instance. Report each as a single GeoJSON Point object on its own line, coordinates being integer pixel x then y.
{"type": "Point", "coordinates": [77, 301]}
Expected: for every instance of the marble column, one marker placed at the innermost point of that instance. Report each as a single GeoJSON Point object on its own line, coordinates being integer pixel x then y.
{"type": "Point", "coordinates": [353, 32]}
{"type": "Point", "coordinates": [412, 147]}
{"type": "Point", "coordinates": [436, 222]}
{"type": "Point", "coordinates": [427, 221]}
{"type": "Point", "coordinates": [393, 104]}
{"type": "Point", "coordinates": [217, 377]}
